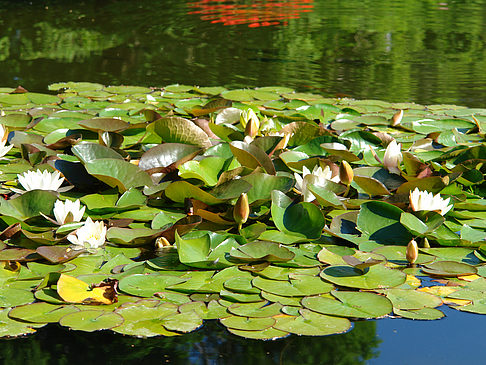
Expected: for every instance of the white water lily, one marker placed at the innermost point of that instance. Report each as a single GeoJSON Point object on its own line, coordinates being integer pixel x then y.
{"type": "Point", "coordinates": [318, 176]}
{"type": "Point", "coordinates": [423, 200]}
{"type": "Point", "coordinates": [41, 180]}
{"type": "Point", "coordinates": [249, 116]}
{"type": "Point", "coordinates": [4, 149]}
{"type": "Point", "coordinates": [3, 133]}
{"type": "Point", "coordinates": [90, 236]}
{"type": "Point", "coordinates": [68, 211]}
{"type": "Point", "coordinates": [393, 157]}
{"type": "Point", "coordinates": [3, 141]}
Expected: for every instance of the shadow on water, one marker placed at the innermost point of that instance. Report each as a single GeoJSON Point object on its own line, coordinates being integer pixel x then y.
{"type": "Point", "coordinates": [212, 344]}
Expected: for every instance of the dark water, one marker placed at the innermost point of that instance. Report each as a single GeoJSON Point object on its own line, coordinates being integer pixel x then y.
{"type": "Point", "coordinates": [416, 50]}
{"type": "Point", "coordinates": [427, 51]}
{"type": "Point", "coordinates": [456, 339]}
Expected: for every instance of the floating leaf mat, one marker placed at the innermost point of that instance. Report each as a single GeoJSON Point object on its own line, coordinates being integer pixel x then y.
{"type": "Point", "coordinates": [271, 211]}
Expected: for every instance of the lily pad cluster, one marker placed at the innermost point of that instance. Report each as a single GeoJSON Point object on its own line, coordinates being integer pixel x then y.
{"type": "Point", "coordinates": [272, 211]}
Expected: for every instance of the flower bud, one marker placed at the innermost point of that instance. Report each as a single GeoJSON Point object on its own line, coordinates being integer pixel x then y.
{"type": "Point", "coordinates": [346, 174]}
{"type": "Point", "coordinates": [397, 118]}
{"type": "Point", "coordinates": [241, 211]}
{"type": "Point", "coordinates": [162, 242]}
{"type": "Point", "coordinates": [247, 115]}
{"type": "Point", "coordinates": [412, 251]}
{"type": "Point", "coordinates": [252, 125]}
{"type": "Point", "coordinates": [393, 157]}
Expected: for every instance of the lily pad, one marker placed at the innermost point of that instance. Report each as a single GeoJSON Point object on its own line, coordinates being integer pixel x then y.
{"type": "Point", "coordinates": [376, 277]}
{"type": "Point", "coordinates": [91, 320]}
{"type": "Point", "coordinates": [449, 269]}
{"type": "Point", "coordinates": [312, 324]}
{"type": "Point", "coordinates": [350, 304]}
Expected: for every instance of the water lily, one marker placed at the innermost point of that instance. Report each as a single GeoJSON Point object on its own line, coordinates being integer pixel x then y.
{"type": "Point", "coordinates": [68, 211]}
{"type": "Point", "coordinates": [90, 236]}
{"type": "Point", "coordinates": [41, 180]}
{"type": "Point", "coordinates": [249, 116]}
{"type": "Point", "coordinates": [412, 252]}
{"type": "Point", "coordinates": [241, 210]}
{"type": "Point", "coordinates": [318, 176]}
{"type": "Point", "coordinates": [346, 174]}
{"type": "Point", "coordinates": [3, 141]}
{"type": "Point", "coordinates": [423, 200]}
{"type": "Point", "coordinates": [393, 157]}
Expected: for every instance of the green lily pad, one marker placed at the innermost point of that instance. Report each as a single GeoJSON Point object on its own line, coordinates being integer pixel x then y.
{"type": "Point", "coordinates": [119, 173]}
{"type": "Point", "coordinates": [405, 299]}
{"type": "Point", "coordinates": [41, 312]}
{"type": "Point", "coordinates": [29, 205]}
{"type": "Point", "coordinates": [168, 156]}
{"type": "Point", "coordinates": [261, 251]}
{"type": "Point", "coordinates": [13, 328]}
{"type": "Point", "coordinates": [182, 322]}
{"type": "Point", "coordinates": [449, 269]}
{"type": "Point", "coordinates": [264, 184]}
{"type": "Point", "coordinates": [298, 285]}
{"type": "Point", "coordinates": [312, 324]}
{"type": "Point", "coordinates": [207, 170]}
{"type": "Point", "coordinates": [147, 285]}
{"type": "Point", "coordinates": [178, 191]}
{"type": "Point", "coordinates": [179, 130]}
{"type": "Point", "coordinates": [132, 236]}
{"type": "Point", "coordinates": [266, 334]}
{"type": "Point", "coordinates": [143, 318]}
{"type": "Point", "coordinates": [376, 277]}
{"type": "Point", "coordinates": [87, 152]}
{"type": "Point", "coordinates": [397, 255]}
{"type": "Point", "coordinates": [247, 324]}
{"type": "Point", "coordinates": [255, 310]}
{"type": "Point", "coordinates": [91, 320]}
{"type": "Point", "coordinates": [350, 304]}
{"type": "Point", "coordinates": [252, 156]}
{"type": "Point", "coordinates": [380, 222]}
{"type": "Point", "coordinates": [302, 219]}
{"type": "Point", "coordinates": [420, 314]}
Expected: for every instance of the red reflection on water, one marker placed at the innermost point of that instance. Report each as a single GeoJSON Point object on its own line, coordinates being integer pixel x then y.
{"type": "Point", "coordinates": [260, 13]}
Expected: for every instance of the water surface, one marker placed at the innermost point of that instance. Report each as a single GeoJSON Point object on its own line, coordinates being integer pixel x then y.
{"type": "Point", "coordinates": [422, 51]}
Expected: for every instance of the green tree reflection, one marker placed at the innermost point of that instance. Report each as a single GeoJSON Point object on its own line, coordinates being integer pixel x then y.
{"type": "Point", "coordinates": [393, 50]}
{"type": "Point", "coordinates": [210, 345]}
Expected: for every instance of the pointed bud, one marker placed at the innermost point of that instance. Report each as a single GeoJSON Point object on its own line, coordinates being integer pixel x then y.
{"type": "Point", "coordinates": [426, 243]}
{"type": "Point", "coordinates": [241, 211]}
{"type": "Point", "coordinates": [346, 173]}
{"type": "Point", "coordinates": [247, 115]}
{"type": "Point", "coordinates": [162, 242]}
{"type": "Point", "coordinates": [412, 251]}
{"type": "Point", "coordinates": [397, 118]}
{"type": "Point", "coordinates": [252, 126]}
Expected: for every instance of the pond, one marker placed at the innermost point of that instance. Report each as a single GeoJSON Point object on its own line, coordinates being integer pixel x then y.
{"type": "Point", "coordinates": [424, 51]}
{"type": "Point", "coordinates": [415, 51]}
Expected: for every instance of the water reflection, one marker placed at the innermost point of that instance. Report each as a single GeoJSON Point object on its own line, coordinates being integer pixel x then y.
{"type": "Point", "coordinates": [210, 345]}
{"type": "Point", "coordinates": [419, 51]}
{"type": "Point", "coordinates": [254, 13]}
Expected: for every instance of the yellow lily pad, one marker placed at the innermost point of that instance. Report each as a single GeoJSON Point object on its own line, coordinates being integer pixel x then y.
{"type": "Point", "coordinates": [73, 290]}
